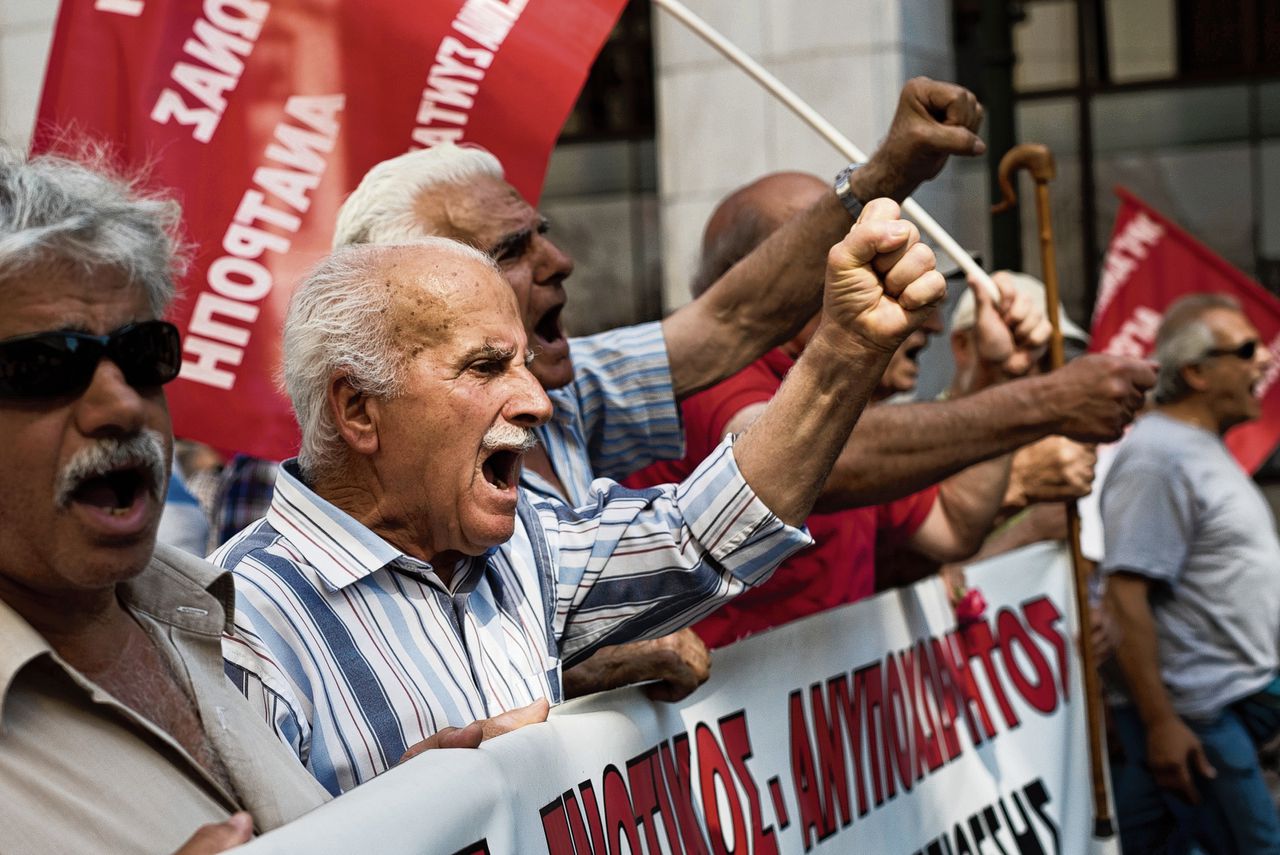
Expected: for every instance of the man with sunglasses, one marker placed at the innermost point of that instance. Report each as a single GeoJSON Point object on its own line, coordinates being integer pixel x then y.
{"type": "Point", "coordinates": [119, 731]}
{"type": "Point", "coordinates": [1193, 575]}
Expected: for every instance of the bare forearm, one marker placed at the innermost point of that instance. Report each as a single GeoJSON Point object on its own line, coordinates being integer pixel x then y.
{"type": "Point", "coordinates": [766, 298]}
{"type": "Point", "coordinates": [900, 449]}
{"type": "Point", "coordinates": [1138, 656]}
{"type": "Point", "coordinates": [608, 668]}
{"type": "Point", "coordinates": [1039, 523]}
{"type": "Point", "coordinates": [758, 304]}
{"type": "Point", "coordinates": [787, 453]}
{"type": "Point", "coordinates": [970, 500]}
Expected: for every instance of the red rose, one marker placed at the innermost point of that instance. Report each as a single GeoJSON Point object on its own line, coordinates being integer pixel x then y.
{"type": "Point", "coordinates": [970, 607]}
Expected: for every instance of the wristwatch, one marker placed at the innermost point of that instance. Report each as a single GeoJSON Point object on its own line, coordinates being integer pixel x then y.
{"type": "Point", "coordinates": [844, 192]}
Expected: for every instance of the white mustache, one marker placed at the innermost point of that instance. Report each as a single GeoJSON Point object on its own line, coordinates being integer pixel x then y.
{"type": "Point", "coordinates": [143, 450]}
{"type": "Point", "coordinates": [510, 437]}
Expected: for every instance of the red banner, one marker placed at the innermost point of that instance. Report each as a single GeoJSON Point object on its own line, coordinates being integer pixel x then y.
{"type": "Point", "coordinates": [1150, 264]}
{"type": "Point", "coordinates": [261, 115]}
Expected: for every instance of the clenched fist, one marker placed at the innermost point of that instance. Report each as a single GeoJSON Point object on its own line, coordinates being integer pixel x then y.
{"type": "Point", "coordinates": [1096, 396]}
{"type": "Point", "coordinates": [881, 282]}
{"type": "Point", "coordinates": [1055, 469]}
{"type": "Point", "coordinates": [933, 121]}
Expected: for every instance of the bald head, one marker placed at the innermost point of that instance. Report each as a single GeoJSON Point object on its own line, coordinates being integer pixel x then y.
{"type": "Point", "coordinates": [746, 217]}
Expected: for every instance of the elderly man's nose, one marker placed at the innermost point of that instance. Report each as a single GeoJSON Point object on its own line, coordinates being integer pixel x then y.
{"type": "Point", "coordinates": [529, 406]}
{"type": "Point", "coordinates": [110, 406]}
{"type": "Point", "coordinates": [551, 264]}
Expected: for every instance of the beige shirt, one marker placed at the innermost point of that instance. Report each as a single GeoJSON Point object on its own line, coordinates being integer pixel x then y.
{"type": "Point", "coordinates": [80, 772]}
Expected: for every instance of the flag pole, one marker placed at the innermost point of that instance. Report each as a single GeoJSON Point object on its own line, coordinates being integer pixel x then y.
{"type": "Point", "coordinates": [1038, 161]}
{"type": "Point", "coordinates": [910, 208]}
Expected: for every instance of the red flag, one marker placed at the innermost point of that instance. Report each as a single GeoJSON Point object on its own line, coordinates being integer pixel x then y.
{"type": "Point", "coordinates": [1150, 264]}
{"type": "Point", "coordinates": [261, 116]}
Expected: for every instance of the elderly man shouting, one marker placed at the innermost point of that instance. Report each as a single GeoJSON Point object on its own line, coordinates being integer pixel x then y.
{"type": "Point", "coordinates": [118, 729]}
{"type": "Point", "coordinates": [614, 395]}
{"type": "Point", "coordinates": [374, 608]}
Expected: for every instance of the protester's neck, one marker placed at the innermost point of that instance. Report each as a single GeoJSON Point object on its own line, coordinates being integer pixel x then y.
{"type": "Point", "coordinates": [355, 491]}
{"type": "Point", "coordinates": [86, 628]}
{"type": "Point", "coordinates": [1193, 412]}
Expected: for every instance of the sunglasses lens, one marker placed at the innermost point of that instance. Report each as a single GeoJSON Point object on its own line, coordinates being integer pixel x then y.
{"type": "Point", "coordinates": [149, 353]}
{"type": "Point", "coordinates": [1247, 350]}
{"type": "Point", "coordinates": [46, 365]}
{"type": "Point", "coordinates": [53, 364]}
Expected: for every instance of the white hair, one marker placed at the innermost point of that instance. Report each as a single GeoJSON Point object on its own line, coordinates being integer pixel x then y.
{"type": "Point", "coordinates": [381, 209]}
{"type": "Point", "coordinates": [1184, 339]}
{"type": "Point", "coordinates": [339, 322]}
{"type": "Point", "coordinates": [58, 211]}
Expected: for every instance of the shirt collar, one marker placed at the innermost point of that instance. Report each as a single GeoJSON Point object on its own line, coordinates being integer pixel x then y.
{"type": "Point", "coordinates": [19, 645]}
{"type": "Point", "coordinates": [340, 548]}
{"type": "Point", "coordinates": [183, 591]}
{"type": "Point", "coordinates": [174, 588]}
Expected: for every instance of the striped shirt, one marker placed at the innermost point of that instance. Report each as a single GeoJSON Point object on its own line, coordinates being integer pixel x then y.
{"type": "Point", "coordinates": [617, 416]}
{"type": "Point", "coordinates": [354, 651]}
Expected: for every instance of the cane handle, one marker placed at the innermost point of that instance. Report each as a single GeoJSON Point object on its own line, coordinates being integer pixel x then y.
{"type": "Point", "coordinates": [1033, 157]}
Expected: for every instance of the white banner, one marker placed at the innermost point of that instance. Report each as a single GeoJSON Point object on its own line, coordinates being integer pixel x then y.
{"type": "Point", "coordinates": [876, 728]}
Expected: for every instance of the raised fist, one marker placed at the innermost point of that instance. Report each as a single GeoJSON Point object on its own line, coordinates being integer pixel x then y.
{"type": "Point", "coordinates": [881, 282]}
{"type": "Point", "coordinates": [934, 120]}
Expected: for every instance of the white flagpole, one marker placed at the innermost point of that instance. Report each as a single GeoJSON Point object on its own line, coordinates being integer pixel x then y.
{"type": "Point", "coordinates": [779, 90]}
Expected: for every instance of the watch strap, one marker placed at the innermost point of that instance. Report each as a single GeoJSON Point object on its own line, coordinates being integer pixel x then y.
{"type": "Point", "coordinates": [844, 191]}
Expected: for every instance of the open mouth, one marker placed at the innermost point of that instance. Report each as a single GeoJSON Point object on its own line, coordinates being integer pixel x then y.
{"type": "Point", "coordinates": [913, 353]}
{"type": "Point", "coordinates": [115, 492]}
{"type": "Point", "coordinates": [501, 468]}
{"type": "Point", "coordinates": [548, 327]}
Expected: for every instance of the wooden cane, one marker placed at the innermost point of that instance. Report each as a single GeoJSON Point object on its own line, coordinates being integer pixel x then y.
{"type": "Point", "coordinates": [1038, 160]}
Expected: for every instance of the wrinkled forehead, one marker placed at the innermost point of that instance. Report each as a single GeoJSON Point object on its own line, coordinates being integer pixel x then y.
{"type": "Point", "coordinates": [479, 211]}
{"type": "Point", "coordinates": [65, 296]}
{"type": "Point", "coordinates": [436, 297]}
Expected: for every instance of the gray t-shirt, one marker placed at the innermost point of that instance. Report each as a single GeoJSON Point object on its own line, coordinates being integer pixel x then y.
{"type": "Point", "coordinates": [1178, 509]}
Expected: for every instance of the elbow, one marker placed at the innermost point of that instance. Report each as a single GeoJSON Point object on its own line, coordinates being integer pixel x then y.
{"type": "Point", "coordinates": [960, 544]}
{"type": "Point", "coordinates": [961, 549]}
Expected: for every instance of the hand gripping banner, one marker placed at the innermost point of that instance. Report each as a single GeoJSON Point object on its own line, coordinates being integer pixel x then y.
{"type": "Point", "coordinates": [261, 115]}
{"type": "Point", "coordinates": [1150, 264]}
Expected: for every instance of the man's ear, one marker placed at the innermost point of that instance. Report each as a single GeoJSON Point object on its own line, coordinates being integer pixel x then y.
{"type": "Point", "coordinates": [355, 415]}
{"type": "Point", "coordinates": [1195, 377]}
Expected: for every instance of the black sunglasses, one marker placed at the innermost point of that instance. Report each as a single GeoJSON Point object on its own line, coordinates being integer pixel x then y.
{"type": "Point", "coordinates": [62, 362]}
{"type": "Point", "coordinates": [1245, 350]}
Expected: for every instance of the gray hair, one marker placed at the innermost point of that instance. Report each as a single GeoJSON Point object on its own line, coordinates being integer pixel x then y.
{"type": "Point", "coordinates": [381, 209]}
{"type": "Point", "coordinates": [1184, 339]}
{"type": "Point", "coordinates": [59, 211]}
{"type": "Point", "coordinates": [339, 322]}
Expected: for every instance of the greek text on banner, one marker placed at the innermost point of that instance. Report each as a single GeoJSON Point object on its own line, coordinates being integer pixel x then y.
{"type": "Point", "coordinates": [877, 727]}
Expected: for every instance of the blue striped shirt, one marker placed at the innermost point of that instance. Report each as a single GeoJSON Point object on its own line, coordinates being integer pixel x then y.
{"type": "Point", "coordinates": [354, 651]}
{"type": "Point", "coordinates": [617, 416]}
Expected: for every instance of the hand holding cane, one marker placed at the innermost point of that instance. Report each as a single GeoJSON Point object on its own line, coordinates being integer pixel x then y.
{"type": "Point", "coordinates": [1038, 160]}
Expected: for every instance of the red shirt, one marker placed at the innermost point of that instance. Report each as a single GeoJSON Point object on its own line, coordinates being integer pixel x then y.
{"type": "Point", "coordinates": [839, 568]}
